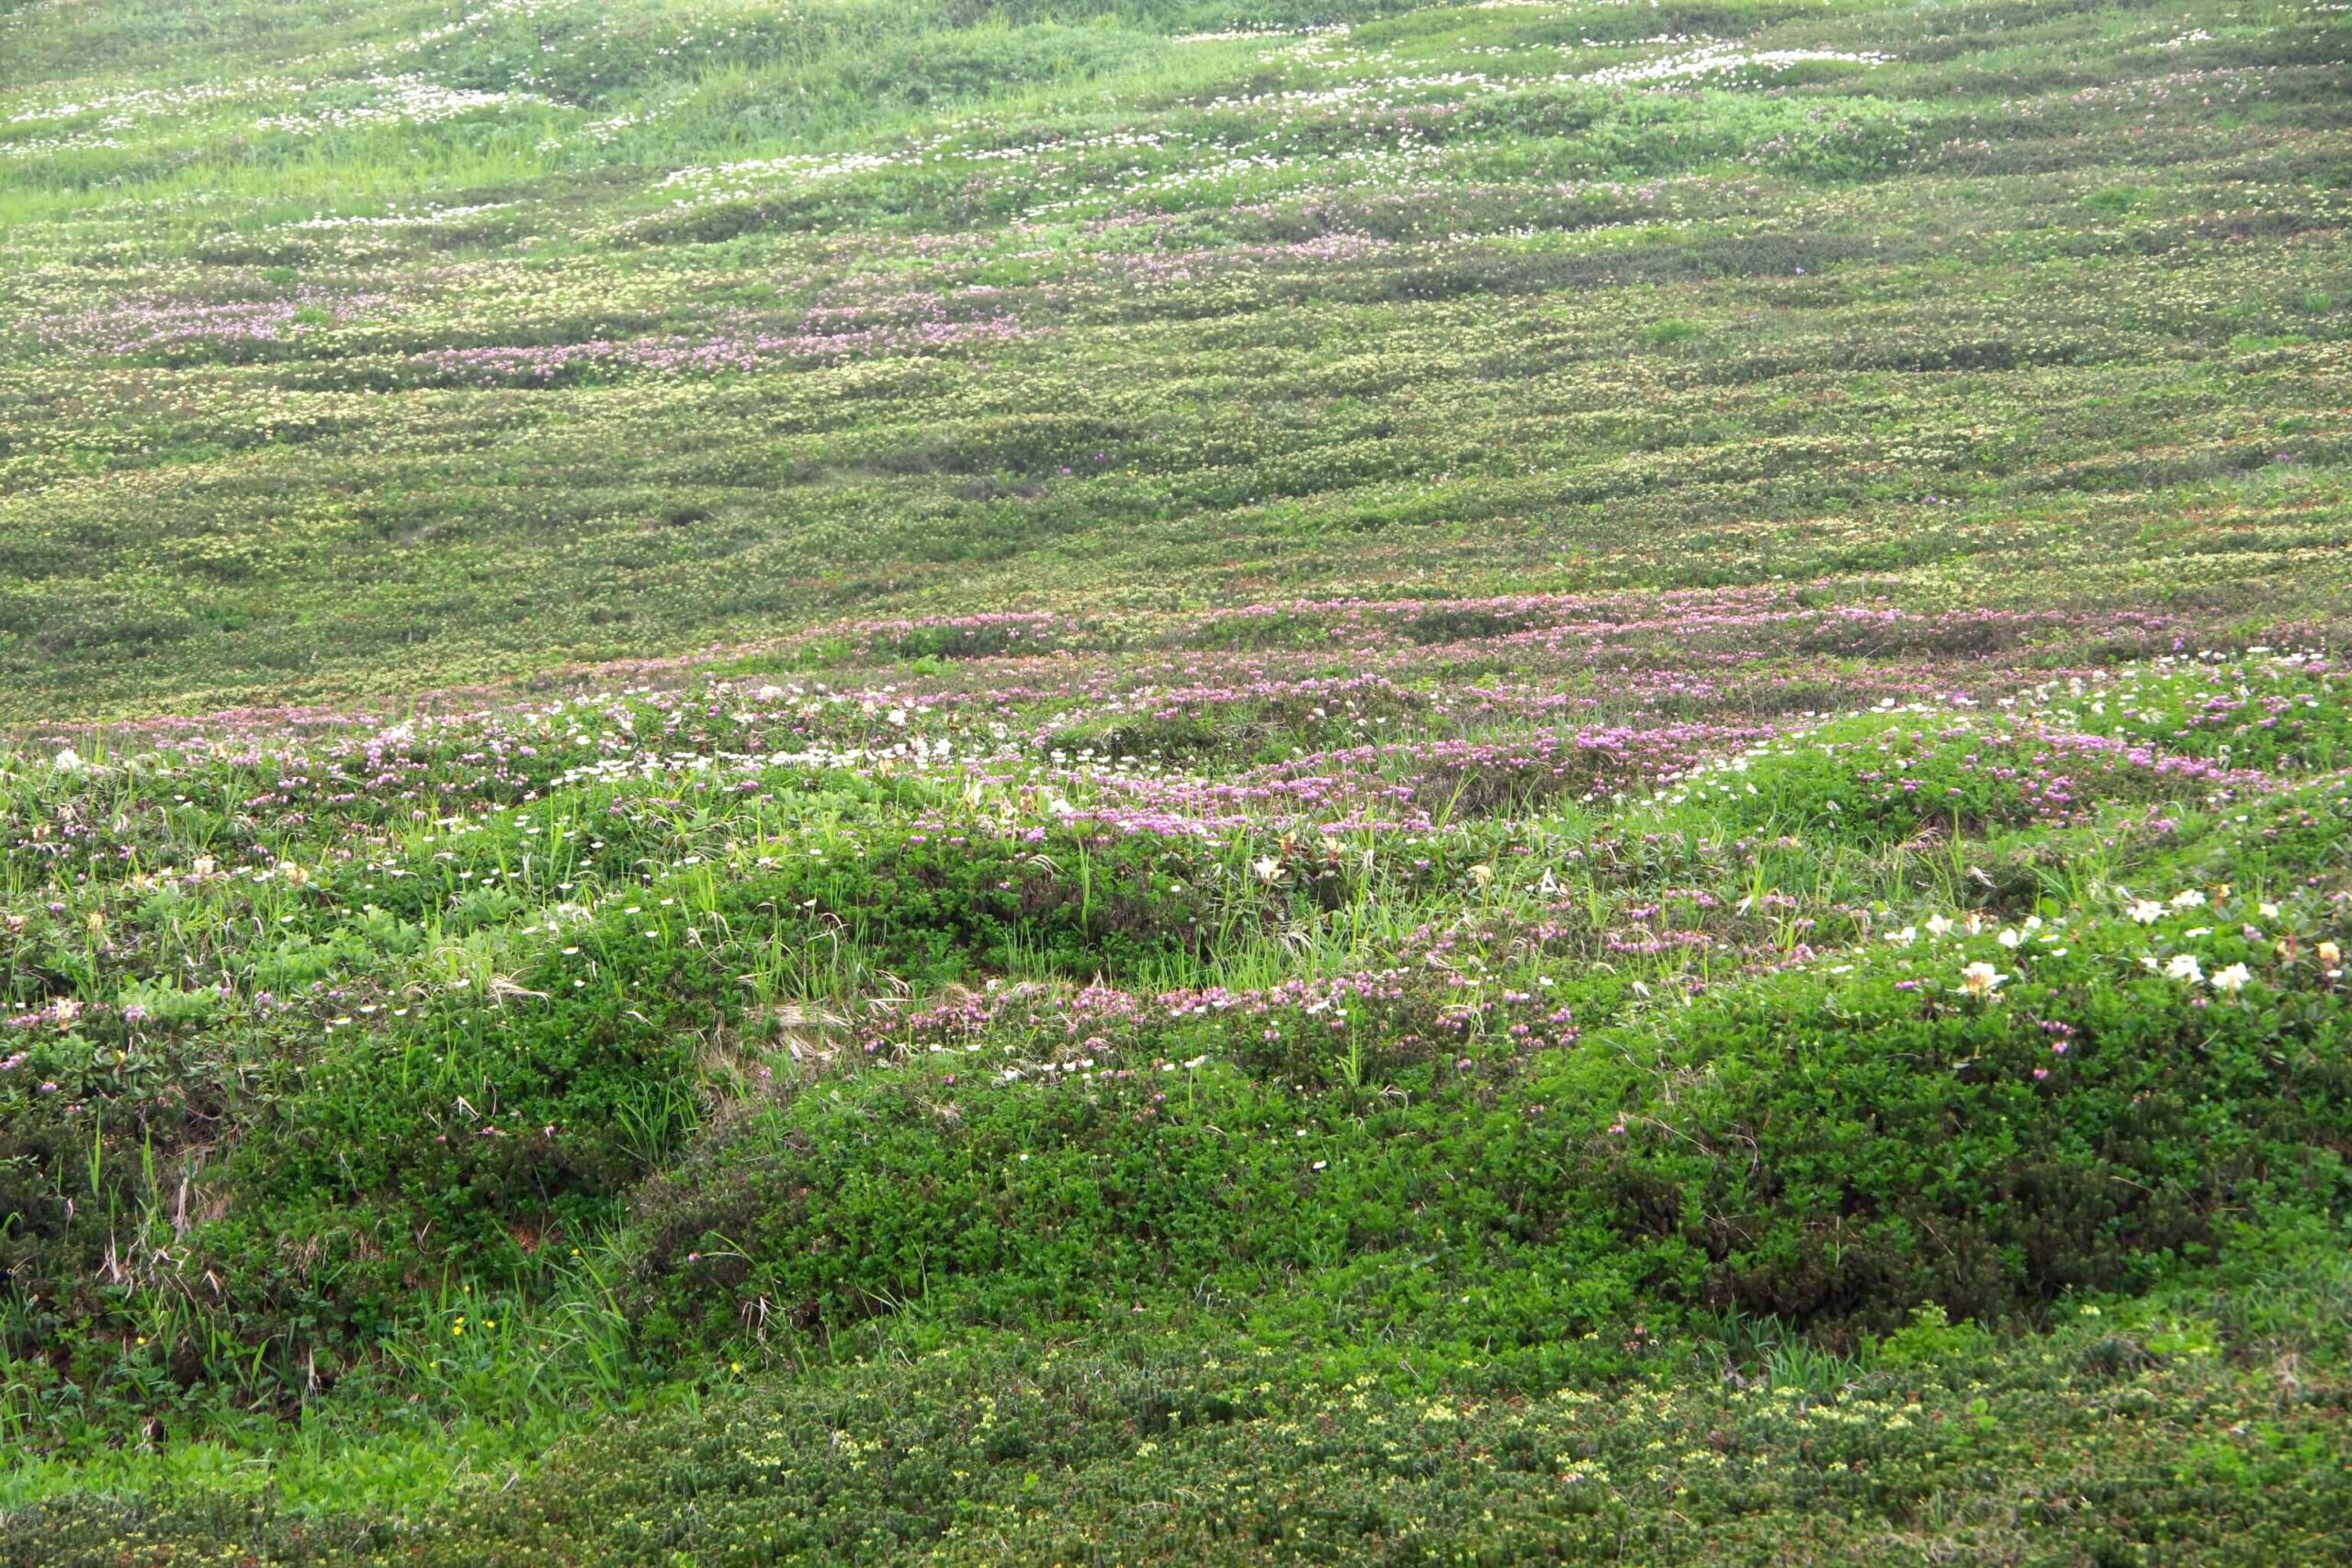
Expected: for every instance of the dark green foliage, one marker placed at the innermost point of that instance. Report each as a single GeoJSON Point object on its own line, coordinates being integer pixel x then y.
{"type": "Point", "coordinates": [1221, 1453]}
{"type": "Point", "coordinates": [1824, 1153]}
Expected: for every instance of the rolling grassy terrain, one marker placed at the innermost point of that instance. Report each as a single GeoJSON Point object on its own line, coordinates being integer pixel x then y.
{"type": "Point", "coordinates": [1159, 783]}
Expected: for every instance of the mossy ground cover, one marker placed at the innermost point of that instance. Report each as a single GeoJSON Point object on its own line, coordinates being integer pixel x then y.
{"type": "Point", "coordinates": [1374, 784]}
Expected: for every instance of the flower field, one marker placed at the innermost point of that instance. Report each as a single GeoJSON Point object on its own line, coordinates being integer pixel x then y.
{"type": "Point", "coordinates": [1539, 781]}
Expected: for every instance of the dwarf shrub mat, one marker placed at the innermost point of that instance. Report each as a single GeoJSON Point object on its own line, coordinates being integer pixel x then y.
{"type": "Point", "coordinates": [2114, 1438]}
{"type": "Point", "coordinates": [358, 354]}
{"type": "Point", "coordinates": [1984, 1141]}
{"type": "Point", "coordinates": [1379, 783]}
{"type": "Point", "coordinates": [1533, 1084]}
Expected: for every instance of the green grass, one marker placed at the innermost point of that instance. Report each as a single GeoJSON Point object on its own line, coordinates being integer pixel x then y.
{"type": "Point", "coordinates": [1362, 782]}
{"type": "Point", "coordinates": [1100, 317]}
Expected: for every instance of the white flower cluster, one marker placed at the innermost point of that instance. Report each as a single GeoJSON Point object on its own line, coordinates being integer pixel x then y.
{"type": "Point", "coordinates": [1239, 35]}
{"type": "Point", "coordinates": [409, 99]}
{"type": "Point", "coordinates": [1719, 60]}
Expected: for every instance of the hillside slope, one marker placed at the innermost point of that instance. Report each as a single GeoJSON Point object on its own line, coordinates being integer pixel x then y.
{"type": "Point", "coordinates": [359, 351]}
{"type": "Point", "coordinates": [1355, 782]}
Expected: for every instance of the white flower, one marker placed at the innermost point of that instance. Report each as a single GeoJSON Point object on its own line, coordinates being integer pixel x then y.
{"type": "Point", "coordinates": [2189, 899]}
{"type": "Point", "coordinates": [2231, 980]}
{"type": "Point", "coordinates": [2008, 939]}
{"type": "Point", "coordinates": [1981, 979]}
{"type": "Point", "coordinates": [1904, 937]}
{"type": "Point", "coordinates": [1267, 868]}
{"type": "Point", "coordinates": [1938, 925]}
{"type": "Point", "coordinates": [2184, 966]}
{"type": "Point", "coordinates": [2269, 910]}
{"type": "Point", "coordinates": [2147, 911]}
{"type": "Point", "coordinates": [69, 762]}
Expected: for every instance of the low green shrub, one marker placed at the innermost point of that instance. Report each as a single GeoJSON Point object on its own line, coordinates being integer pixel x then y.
{"type": "Point", "coordinates": [1832, 1147]}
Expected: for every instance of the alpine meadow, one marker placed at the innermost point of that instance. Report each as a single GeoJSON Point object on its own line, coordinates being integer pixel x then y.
{"type": "Point", "coordinates": [1175, 781]}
